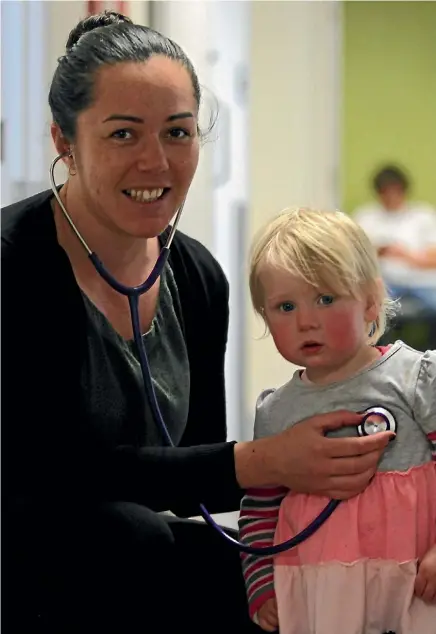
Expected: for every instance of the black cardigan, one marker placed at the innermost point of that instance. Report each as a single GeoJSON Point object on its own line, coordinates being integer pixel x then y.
{"type": "Point", "coordinates": [49, 452]}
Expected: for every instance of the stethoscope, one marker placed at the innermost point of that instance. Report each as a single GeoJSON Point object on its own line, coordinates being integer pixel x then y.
{"type": "Point", "coordinates": [133, 293]}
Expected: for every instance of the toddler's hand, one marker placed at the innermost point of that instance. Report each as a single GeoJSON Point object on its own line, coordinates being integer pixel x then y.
{"type": "Point", "coordinates": [267, 616]}
{"type": "Point", "coordinates": [425, 583]}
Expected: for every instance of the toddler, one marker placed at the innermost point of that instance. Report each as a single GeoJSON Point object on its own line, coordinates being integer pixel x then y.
{"type": "Point", "coordinates": [371, 567]}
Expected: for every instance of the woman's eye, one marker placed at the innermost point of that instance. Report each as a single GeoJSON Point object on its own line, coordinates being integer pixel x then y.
{"type": "Point", "coordinates": [286, 307]}
{"type": "Point", "coordinates": [326, 300]}
{"type": "Point", "coordinates": [122, 134]}
{"type": "Point", "coordinates": [179, 133]}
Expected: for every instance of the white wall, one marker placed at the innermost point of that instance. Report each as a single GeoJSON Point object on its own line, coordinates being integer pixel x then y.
{"type": "Point", "coordinates": [230, 54]}
{"type": "Point", "coordinates": [216, 36]}
{"type": "Point", "coordinates": [23, 61]}
{"type": "Point", "coordinates": [294, 154]}
{"type": "Point", "coordinates": [62, 17]}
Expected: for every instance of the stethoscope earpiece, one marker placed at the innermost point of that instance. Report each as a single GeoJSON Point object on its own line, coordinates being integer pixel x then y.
{"type": "Point", "coordinates": [375, 420]}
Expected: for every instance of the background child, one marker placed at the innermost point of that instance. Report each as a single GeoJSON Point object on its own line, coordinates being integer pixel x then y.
{"type": "Point", "coordinates": [371, 568]}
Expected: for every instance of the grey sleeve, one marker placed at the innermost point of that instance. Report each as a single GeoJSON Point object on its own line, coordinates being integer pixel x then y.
{"type": "Point", "coordinates": [424, 402]}
{"type": "Point", "coordinates": [262, 428]}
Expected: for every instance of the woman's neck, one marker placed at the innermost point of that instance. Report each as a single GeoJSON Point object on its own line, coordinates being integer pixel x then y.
{"type": "Point", "coordinates": [128, 259]}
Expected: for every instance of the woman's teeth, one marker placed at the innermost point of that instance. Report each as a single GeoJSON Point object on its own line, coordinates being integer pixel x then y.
{"type": "Point", "coordinates": [145, 195]}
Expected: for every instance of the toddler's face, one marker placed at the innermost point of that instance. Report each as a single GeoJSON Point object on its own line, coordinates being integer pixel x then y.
{"type": "Point", "coordinates": [314, 327]}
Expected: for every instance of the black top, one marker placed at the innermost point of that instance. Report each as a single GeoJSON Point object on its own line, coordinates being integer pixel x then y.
{"type": "Point", "coordinates": [52, 452]}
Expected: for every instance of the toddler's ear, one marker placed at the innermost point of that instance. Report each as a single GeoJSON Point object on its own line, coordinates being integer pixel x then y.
{"type": "Point", "coordinates": [374, 301]}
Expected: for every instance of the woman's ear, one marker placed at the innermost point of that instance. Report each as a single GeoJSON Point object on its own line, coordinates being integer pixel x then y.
{"type": "Point", "coordinates": [60, 142]}
{"type": "Point", "coordinates": [63, 146]}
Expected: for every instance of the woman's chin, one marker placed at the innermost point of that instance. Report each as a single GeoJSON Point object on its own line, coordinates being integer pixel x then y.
{"type": "Point", "coordinates": [149, 228]}
{"type": "Point", "coordinates": [149, 219]}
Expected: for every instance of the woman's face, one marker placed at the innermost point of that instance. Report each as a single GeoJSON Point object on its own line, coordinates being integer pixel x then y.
{"type": "Point", "coordinates": [136, 148]}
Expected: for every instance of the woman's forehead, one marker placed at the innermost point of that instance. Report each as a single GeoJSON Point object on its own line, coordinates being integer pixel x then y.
{"type": "Point", "coordinates": [158, 84]}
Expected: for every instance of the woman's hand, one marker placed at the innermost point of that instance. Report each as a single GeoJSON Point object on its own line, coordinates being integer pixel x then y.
{"type": "Point", "coordinates": [309, 462]}
{"type": "Point", "coordinates": [304, 460]}
{"type": "Point", "coordinates": [425, 582]}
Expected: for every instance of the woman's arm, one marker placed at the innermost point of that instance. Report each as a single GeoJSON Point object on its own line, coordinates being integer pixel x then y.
{"type": "Point", "coordinates": [204, 300]}
{"type": "Point", "coordinates": [162, 478]}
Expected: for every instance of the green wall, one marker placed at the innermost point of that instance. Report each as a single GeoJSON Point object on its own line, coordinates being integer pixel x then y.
{"type": "Point", "coordinates": [389, 95]}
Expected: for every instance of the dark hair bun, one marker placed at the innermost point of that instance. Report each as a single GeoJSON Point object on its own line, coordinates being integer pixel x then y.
{"type": "Point", "coordinates": [93, 22]}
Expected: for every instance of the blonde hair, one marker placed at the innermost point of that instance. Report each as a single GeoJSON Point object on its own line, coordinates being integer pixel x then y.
{"type": "Point", "coordinates": [324, 248]}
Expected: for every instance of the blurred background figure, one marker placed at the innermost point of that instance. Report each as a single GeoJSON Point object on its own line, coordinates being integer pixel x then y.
{"type": "Point", "coordinates": [404, 233]}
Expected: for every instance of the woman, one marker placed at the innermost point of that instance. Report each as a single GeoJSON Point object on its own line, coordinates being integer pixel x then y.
{"type": "Point", "coordinates": [85, 473]}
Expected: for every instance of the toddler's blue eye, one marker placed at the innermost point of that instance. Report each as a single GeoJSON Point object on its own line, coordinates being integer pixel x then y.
{"type": "Point", "coordinates": [286, 307]}
{"type": "Point", "coordinates": [326, 300]}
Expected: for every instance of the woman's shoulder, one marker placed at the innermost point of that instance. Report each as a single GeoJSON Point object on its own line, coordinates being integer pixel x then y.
{"type": "Point", "coordinates": [195, 267]}
{"type": "Point", "coordinates": [26, 221]}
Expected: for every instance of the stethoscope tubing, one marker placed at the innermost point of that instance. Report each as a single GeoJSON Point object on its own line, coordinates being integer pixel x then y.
{"type": "Point", "coordinates": [134, 293]}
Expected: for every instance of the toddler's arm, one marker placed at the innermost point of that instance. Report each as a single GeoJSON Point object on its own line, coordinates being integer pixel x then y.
{"type": "Point", "coordinates": [424, 409]}
{"type": "Point", "coordinates": [425, 582]}
{"type": "Point", "coordinates": [424, 397]}
{"type": "Point", "coordinates": [257, 525]}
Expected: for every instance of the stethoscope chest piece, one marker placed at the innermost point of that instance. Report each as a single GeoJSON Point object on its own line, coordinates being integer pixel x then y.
{"type": "Point", "coordinates": [376, 419]}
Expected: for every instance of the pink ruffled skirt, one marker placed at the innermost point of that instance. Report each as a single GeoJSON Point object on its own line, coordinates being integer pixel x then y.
{"type": "Point", "coordinates": [356, 575]}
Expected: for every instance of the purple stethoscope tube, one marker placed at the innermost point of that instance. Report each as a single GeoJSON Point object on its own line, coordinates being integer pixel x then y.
{"type": "Point", "coordinates": [133, 294]}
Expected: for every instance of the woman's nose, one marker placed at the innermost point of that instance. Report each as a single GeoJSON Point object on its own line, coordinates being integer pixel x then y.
{"type": "Point", "coordinates": [153, 156]}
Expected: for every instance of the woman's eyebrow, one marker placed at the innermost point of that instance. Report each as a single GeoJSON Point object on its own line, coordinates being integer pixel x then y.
{"type": "Point", "coordinates": [134, 119]}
